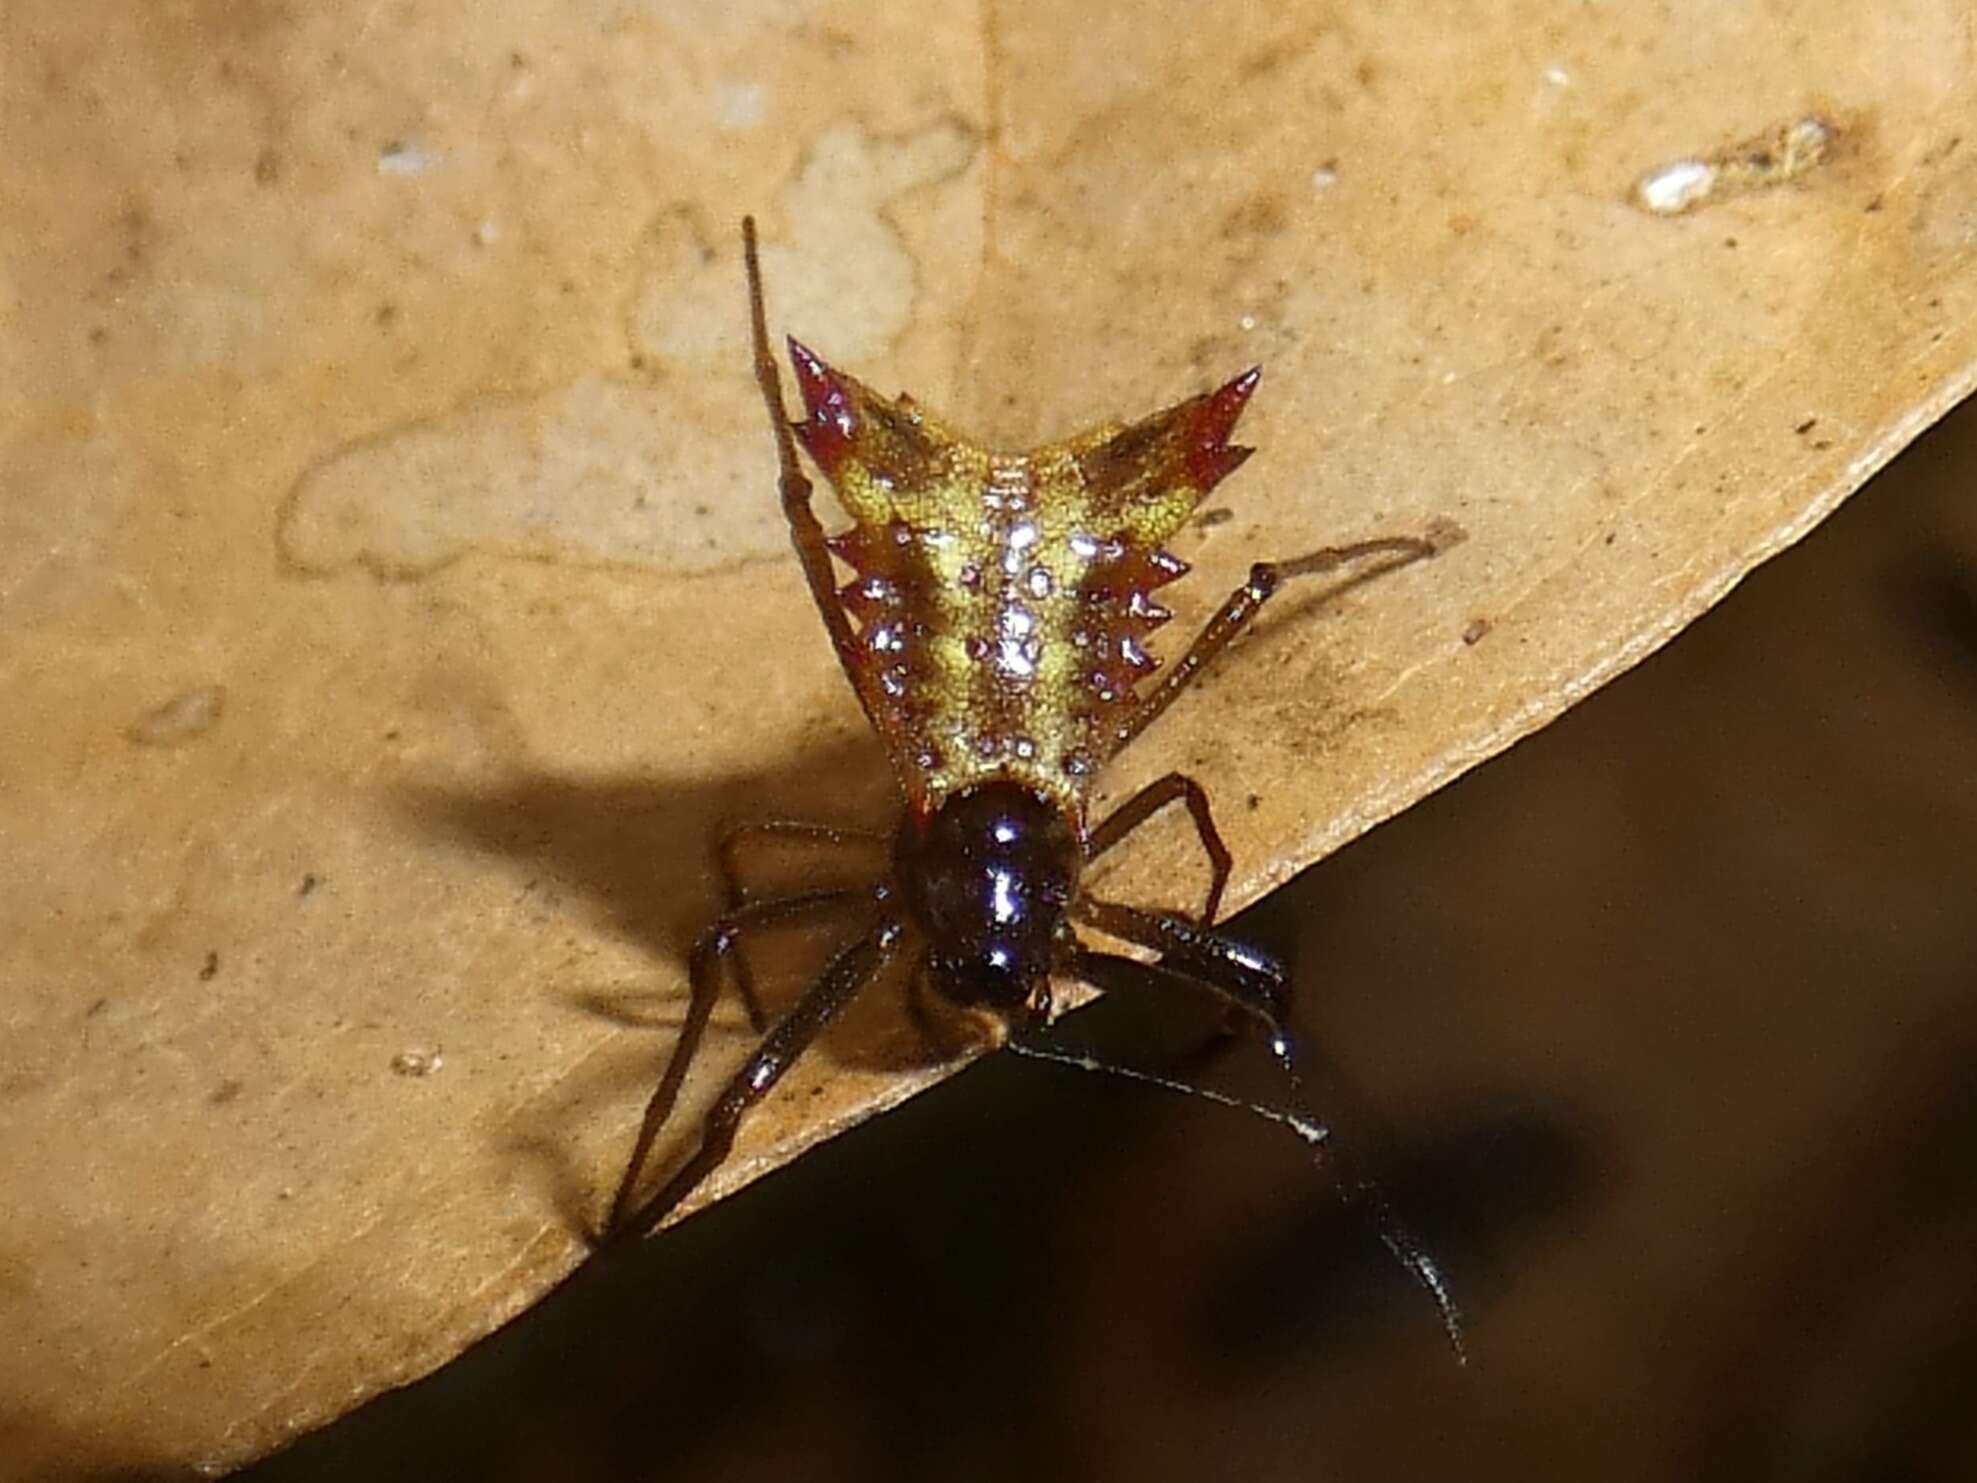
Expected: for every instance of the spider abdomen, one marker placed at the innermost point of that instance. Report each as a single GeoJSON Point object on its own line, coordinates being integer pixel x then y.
{"type": "Point", "coordinates": [1002, 601]}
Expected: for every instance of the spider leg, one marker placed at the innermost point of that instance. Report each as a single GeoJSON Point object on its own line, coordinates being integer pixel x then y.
{"type": "Point", "coordinates": [714, 947]}
{"type": "Point", "coordinates": [1253, 982]}
{"type": "Point", "coordinates": [825, 834]}
{"type": "Point", "coordinates": [842, 978]}
{"type": "Point", "coordinates": [1155, 796]}
{"type": "Point", "coordinates": [1239, 976]}
{"type": "Point", "coordinates": [805, 531]}
{"type": "Point", "coordinates": [724, 855]}
{"type": "Point", "coordinates": [1264, 579]}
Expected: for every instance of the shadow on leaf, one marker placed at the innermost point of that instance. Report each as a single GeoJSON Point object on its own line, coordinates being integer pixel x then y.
{"type": "Point", "coordinates": [637, 856]}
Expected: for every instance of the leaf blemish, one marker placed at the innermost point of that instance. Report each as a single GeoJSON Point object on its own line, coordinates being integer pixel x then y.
{"type": "Point", "coordinates": [1759, 163]}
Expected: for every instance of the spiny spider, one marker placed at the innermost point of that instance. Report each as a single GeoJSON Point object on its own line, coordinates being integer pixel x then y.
{"type": "Point", "coordinates": [993, 629]}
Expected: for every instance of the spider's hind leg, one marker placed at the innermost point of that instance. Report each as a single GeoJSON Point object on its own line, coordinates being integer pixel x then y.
{"type": "Point", "coordinates": [1243, 604]}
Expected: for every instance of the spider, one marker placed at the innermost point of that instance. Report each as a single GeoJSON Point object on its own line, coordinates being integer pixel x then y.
{"type": "Point", "coordinates": [992, 629]}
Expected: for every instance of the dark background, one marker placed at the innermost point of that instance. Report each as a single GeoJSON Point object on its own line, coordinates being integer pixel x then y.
{"type": "Point", "coordinates": [1661, 1030]}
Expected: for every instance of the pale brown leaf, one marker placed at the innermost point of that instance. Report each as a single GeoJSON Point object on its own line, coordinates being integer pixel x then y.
{"type": "Point", "coordinates": [395, 598]}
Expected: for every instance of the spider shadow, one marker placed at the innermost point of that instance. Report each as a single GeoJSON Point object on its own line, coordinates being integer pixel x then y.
{"type": "Point", "coordinates": [635, 856]}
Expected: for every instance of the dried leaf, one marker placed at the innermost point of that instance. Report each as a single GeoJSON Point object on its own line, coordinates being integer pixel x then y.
{"type": "Point", "coordinates": [385, 381]}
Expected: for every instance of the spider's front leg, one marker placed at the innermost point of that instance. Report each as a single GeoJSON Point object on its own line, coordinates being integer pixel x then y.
{"type": "Point", "coordinates": [1259, 986]}
{"type": "Point", "coordinates": [716, 948]}
{"type": "Point", "coordinates": [793, 1034]}
{"type": "Point", "coordinates": [726, 855]}
{"type": "Point", "coordinates": [1250, 980]}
